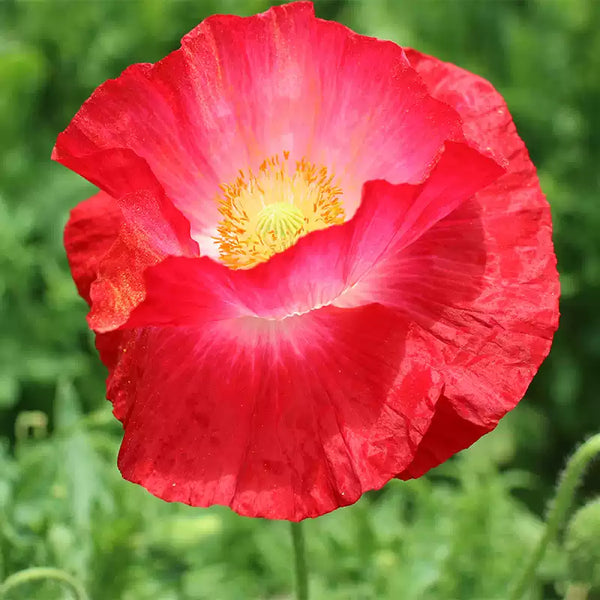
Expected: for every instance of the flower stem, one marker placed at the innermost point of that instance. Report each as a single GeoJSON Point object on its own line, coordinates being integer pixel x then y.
{"type": "Point", "coordinates": [572, 475]}
{"type": "Point", "coordinates": [36, 573]}
{"type": "Point", "coordinates": [300, 561]}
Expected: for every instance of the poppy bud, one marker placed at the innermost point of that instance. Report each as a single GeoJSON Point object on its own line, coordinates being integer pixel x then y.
{"type": "Point", "coordinates": [582, 545]}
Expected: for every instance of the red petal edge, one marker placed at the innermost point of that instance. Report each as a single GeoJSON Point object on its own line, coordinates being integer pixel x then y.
{"type": "Point", "coordinates": [152, 229]}
{"type": "Point", "coordinates": [491, 345]}
{"type": "Point", "coordinates": [91, 230]}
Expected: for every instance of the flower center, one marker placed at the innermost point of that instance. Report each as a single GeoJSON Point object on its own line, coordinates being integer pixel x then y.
{"type": "Point", "coordinates": [266, 213]}
{"type": "Point", "coordinates": [281, 222]}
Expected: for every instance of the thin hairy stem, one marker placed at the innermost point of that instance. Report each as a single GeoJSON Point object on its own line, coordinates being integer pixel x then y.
{"type": "Point", "coordinates": [559, 508]}
{"type": "Point", "coordinates": [38, 573]}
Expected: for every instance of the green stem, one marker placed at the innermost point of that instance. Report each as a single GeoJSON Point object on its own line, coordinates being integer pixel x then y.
{"type": "Point", "coordinates": [300, 561]}
{"type": "Point", "coordinates": [572, 475]}
{"type": "Point", "coordinates": [36, 573]}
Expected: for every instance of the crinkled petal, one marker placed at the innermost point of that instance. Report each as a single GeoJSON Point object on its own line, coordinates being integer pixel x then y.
{"type": "Point", "coordinates": [242, 89]}
{"type": "Point", "coordinates": [440, 441]}
{"type": "Point", "coordinates": [485, 334]}
{"type": "Point", "coordinates": [488, 344]}
{"type": "Point", "coordinates": [90, 232]}
{"type": "Point", "coordinates": [280, 419]}
{"type": "Point", "coordinates": [152, 229]}
{"type": "Point", "coordinates": [325, 266]}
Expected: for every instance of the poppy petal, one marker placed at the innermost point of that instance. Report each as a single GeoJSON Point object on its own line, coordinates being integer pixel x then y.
{"type": "Point", "coordinates": [281, 419]}
{"type": "Point", "coordinates": [92, 229]}
{"type": "Point", "coordinates": [492, 343]}
{"type": "Point", "coordinates": [152, 229]}
{"type": "Point", "coordinates": [236, 93]}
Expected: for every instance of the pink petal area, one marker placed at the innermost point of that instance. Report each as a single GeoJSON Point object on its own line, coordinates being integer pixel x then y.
{"type": "Point", "coordinates": [242, 89]}
{"type": "Point", "coordinates": [490, 343]}
{"type": "Point", "coordinates": [280, 419]}
{"type": "Point", "coordinates": [152, 229]}
{"type": "Point", "coordinates": [323, 265]}
{"type": "Point", "coordinates": [92, 229]}
{"type": "Point", "coordinates": [319, 90]}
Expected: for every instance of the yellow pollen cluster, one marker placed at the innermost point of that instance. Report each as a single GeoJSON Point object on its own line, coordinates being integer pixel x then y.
{"type": "Point", "coordinates": [267, 212]}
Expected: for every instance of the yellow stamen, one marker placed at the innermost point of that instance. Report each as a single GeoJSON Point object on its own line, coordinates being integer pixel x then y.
{"type": "Point", "coordinates": [268, 212]}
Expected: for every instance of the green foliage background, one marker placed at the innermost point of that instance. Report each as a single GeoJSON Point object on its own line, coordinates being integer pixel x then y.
{"type": "Point", "coordinates": [461, 532]}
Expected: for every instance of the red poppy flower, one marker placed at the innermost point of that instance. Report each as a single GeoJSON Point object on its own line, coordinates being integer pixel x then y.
{"type": "Point", "coordinates": [317, 262]}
